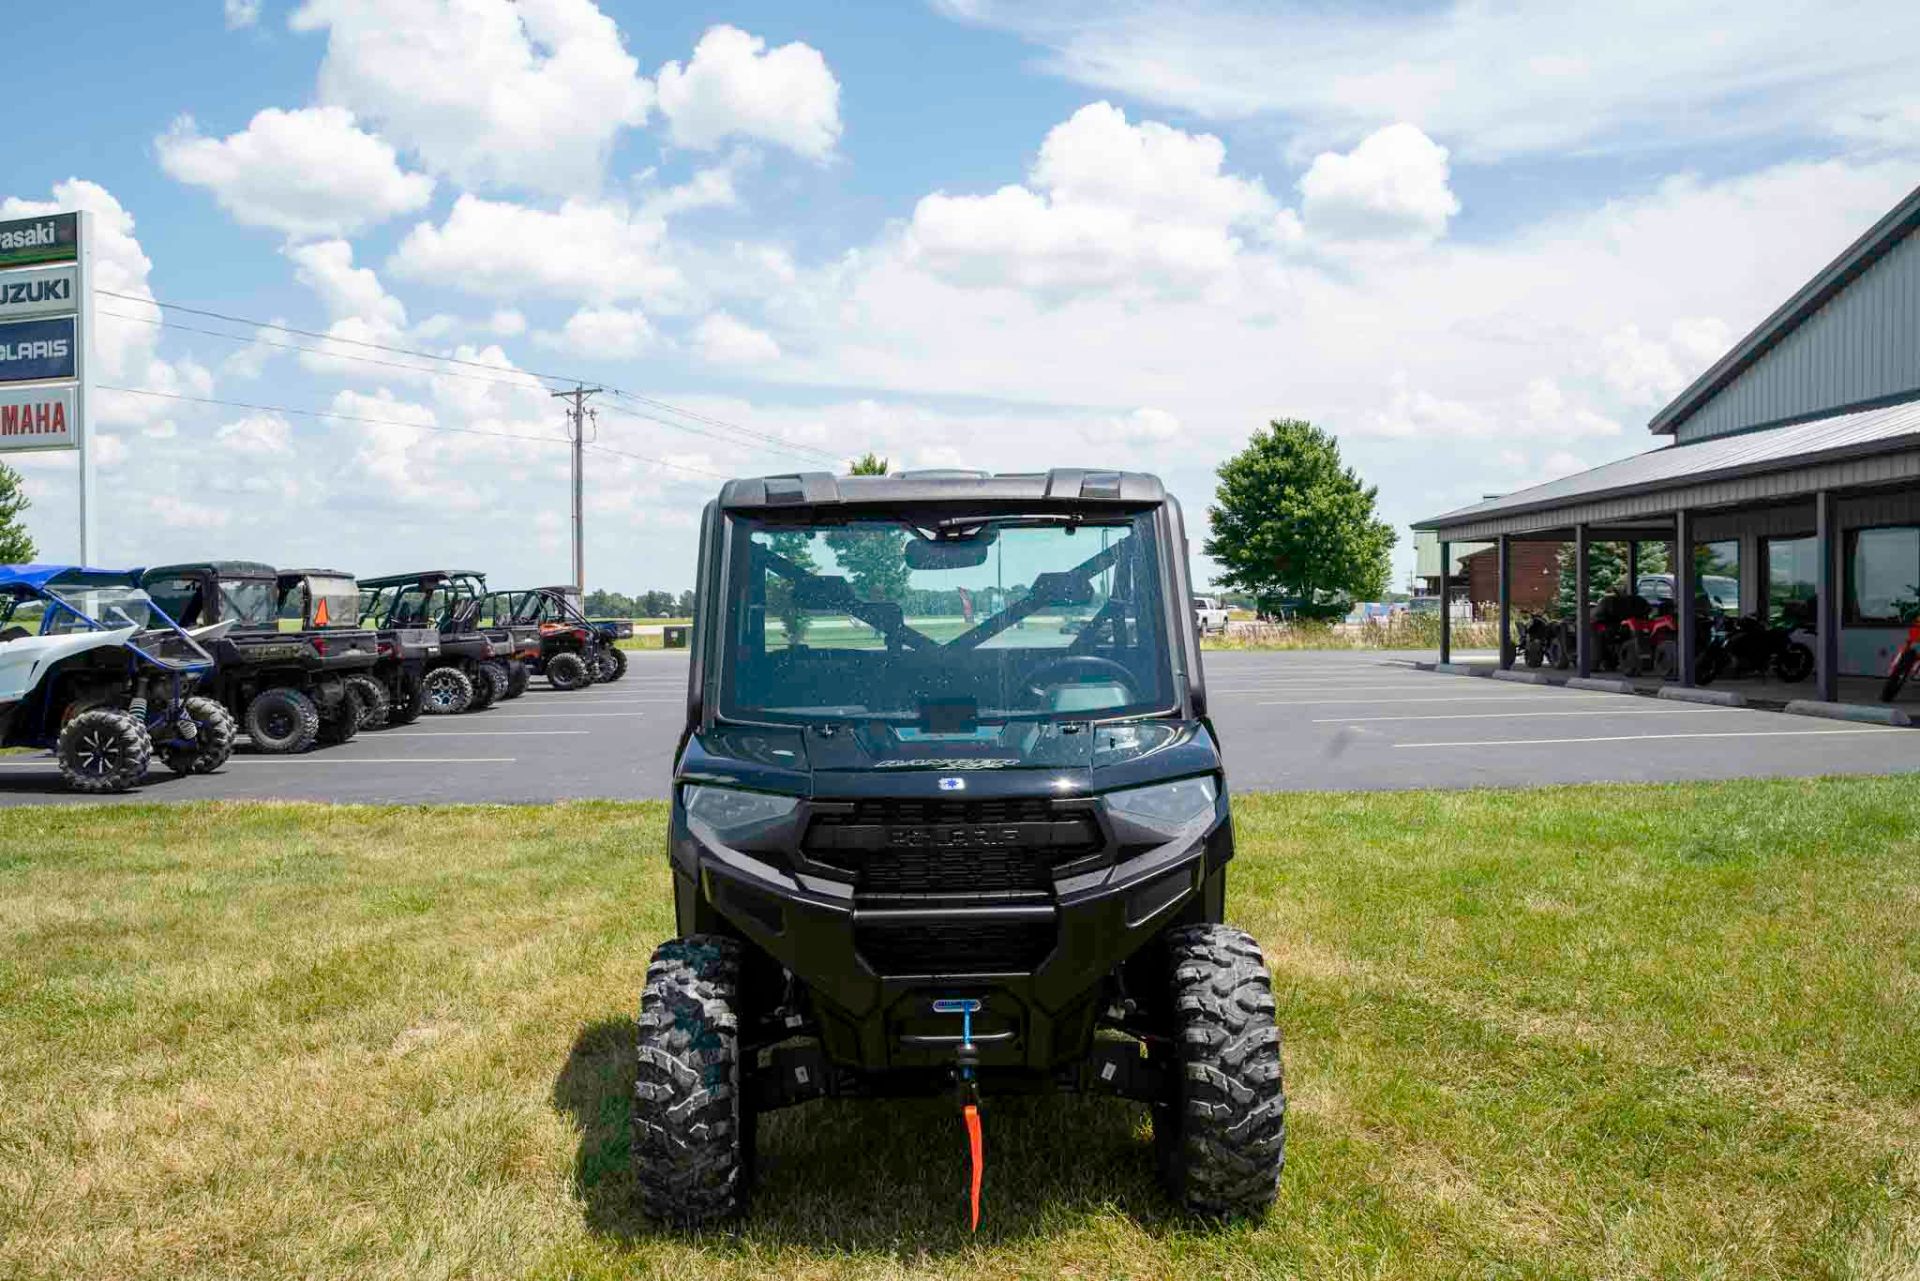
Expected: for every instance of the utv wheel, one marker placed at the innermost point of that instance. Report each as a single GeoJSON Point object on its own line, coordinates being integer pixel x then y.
{"type": "Point", "coordinates": [444, 691]}
{"type": "Point", "coordinates": [1222, 1135]}
{"type": "Point", "coordinates": [214, 733]}
{"type": "Point", "coordinates": [282, 721]}
{"type": "Point", "coordinates": [692, 1128]}
{"type": "Point", "coordinates": [517, 678]}
{"type": "Point", "coordinates": [411, 703]}
{"type": "Point", "coordinates": [1897, 678]}
{"type": "Point", "coordinates": [376, 705]}
{"type": "Point", "coordinates": [344, 722]}
{"type": "Point", "coordinates": [567, 671]}
{"type": "Point", "coordinates": [483, 687]}
{"type": "Point", "coordinates": [1795, 663]}
{"type": "Point", "coordinates": [104, 750]}
{"type": "Point", "coordinates": [498, 681]}
{"type": "Point", "coordinates": [617, 659]}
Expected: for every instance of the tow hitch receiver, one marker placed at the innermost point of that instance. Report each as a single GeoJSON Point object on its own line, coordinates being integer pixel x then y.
{"type": "Point", "coordinates": [966, 1059]}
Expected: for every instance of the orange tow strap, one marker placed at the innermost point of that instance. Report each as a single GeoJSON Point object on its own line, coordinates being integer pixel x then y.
{"type": "Point", "coordinates": [971, 1114]}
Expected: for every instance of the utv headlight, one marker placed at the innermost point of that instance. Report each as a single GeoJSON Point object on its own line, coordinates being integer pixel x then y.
{"type": "Point", "coordinates": [1165, 806]}
{"type": "Point", "coordinates": [736, 816]}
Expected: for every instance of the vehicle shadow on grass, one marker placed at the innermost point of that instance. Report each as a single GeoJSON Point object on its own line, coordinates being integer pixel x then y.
{"type": "Point", "coordinates": [859, 1174]}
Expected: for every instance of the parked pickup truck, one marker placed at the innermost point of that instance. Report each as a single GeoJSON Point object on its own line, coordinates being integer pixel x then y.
{"type": "Point", "coordinates": [1209, 615]}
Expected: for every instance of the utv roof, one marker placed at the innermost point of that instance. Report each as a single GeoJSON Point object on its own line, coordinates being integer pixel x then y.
{"type": "Point", "coordinates": [314, 573]}
{"type": "Point", "coordinates": [229, 568]}
{"type": "Point", "coordinates": [401, 580]}
{"type": "Point", "coordinates": [78, 575]}
{"type": "Point", "coordinates": [1062, 485]}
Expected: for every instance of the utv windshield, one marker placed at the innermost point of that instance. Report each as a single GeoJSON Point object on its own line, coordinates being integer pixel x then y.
{"type": "Point", "coordinates": [947, 620]}
{"type": "Point", "coordinates": [110, 607]}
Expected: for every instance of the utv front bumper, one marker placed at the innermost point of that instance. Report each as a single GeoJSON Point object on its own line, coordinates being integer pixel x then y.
{"type": "Point", "coordinates": [873, 962]}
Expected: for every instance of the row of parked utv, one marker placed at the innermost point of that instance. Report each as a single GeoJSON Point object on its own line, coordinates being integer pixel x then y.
{"type": "Point", "coordinates": [110, 668]}
{"type": "Point", "coordinates": [1635, 637]}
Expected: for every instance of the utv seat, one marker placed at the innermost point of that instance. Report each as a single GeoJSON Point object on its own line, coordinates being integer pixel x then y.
{"type": "Point", "coordinates": [14, 633]}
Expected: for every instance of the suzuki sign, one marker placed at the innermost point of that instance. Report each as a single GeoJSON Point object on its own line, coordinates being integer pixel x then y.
{"type": "Point", "coordinates": [36, 418]}
{"type": "Point", "coordinates": [50, 291]}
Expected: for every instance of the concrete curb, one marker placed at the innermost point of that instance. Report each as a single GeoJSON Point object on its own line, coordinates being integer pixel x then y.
{"type": "Point", "coordinates": [1421, 664]}
{"type": "Point", "coordinates": [1717, 697]}
{"type": "Point", "coordinates": [1523, 678]}
{"type": "Point", "coordinates": [1460, 669]}
{"type": "Point", "coordinates": [1602, 684]}
{"type": "Point", "coordinates": [1849, 712]}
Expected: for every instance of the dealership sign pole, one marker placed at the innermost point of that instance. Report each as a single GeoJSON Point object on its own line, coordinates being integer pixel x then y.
{"type": "Point", "coordinates": [46, 331]}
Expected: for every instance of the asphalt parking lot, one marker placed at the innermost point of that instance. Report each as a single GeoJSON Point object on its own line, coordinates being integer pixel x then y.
{"type": "Point", "coordinates": [1328, 720]}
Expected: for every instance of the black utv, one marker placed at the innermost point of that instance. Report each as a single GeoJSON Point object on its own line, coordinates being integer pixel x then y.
{"type": "Point", "coordinates": [949, 815]}
{"type": "Point", "coordinates": [289, 686]}
{"type": "Point", "coordinates": [476, 666]}
{"type": "Point", "coordinates": [388, 691]}
{"type": "Point", "coordinates": [575, 652]}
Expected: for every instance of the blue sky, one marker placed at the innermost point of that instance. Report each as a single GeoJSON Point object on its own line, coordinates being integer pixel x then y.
{"type": "Point", "coordinates": [1481, 245]}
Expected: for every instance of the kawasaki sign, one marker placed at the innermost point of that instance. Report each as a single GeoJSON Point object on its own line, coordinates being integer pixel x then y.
{"type": "Point", "coordinates": [28, 242]}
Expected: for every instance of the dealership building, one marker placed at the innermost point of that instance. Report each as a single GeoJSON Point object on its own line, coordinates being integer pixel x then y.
{"type": "Point", "coordinates": [1794, 459]}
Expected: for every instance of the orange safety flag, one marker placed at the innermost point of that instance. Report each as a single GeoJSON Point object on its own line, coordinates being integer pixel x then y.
{"type": "Point", "coordinates": [971, 1114]}
{"type": "Point", "coordinates": [320, 613]}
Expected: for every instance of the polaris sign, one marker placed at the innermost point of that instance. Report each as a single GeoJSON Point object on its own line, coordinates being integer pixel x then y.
{"type": "Point", "coordinates": [37, 350]}
{"type": "Point", "coordinates": [51, 291]}
{"type": "Point", "coordinates": [27, 242]}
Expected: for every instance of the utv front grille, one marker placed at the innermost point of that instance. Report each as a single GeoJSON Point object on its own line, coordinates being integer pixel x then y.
{"type": "Point", "coordinates": [905, 949]}
{"type": "Point", "coordinates": [897, 848]}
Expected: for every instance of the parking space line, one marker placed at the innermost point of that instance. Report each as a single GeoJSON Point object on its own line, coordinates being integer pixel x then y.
{"type": "Point", "coordinates": [372, 760]}
{"type": "Point", "coordinates": [1475, 716]}
{"type": "Point", "coordinates": [1450, 698]}
{"type": "Point", "coordinates": [475, 733]}
{"type": "Point", "coordinates": [1635, 738]}
{"type": "Point", "coordinates": [555, 716]}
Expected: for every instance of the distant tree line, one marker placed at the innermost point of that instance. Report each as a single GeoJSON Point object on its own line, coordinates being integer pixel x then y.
{"type": "Point", "coordinates": [605, 604]}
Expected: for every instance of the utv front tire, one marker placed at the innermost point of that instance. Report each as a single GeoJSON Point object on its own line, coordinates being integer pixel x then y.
{"type": "Point", "coordinates": [517, 678]}
{"type": "Point", "coordinates": [282, 721]}
{"type": "Point", "coordinates": [445, 691]}
{"type": "Point", "coordinates": [104, 750]}
{"type": "Point", "coordinates": [343, 722]}
{"type": "Point", "coordinates": [498, 681]}
{"type": "Point", "coordinates": [567, 671]}
{"type": "Point", "coordinates": [376, 705]}
{"type": "Point", "coordinates": [692, 1127]}
{"type": "Point", "coordinates": [618, 657]}
{"type": "Point", "coordinates": [1222, 1133]}
{"type": "Point", "coordinates": [409, 706]}
{"type": "Point", "coordinates": [214, 733]}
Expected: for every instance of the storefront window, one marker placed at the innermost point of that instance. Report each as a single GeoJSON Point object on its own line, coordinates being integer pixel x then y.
{"type": "Point", "coordinates": [1883, 574]}
{"type": "Point", "coordinates": [1716, 568]}
{"type": "Point", "coordinates": [1793, 566]}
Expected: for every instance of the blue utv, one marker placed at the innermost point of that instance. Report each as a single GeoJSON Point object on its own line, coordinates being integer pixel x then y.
{"type": "Point", "coordinates": [93, 670]}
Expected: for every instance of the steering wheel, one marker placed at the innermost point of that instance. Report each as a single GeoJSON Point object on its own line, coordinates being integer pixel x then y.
{"type": "Point", "coordinates": [1075, 669]}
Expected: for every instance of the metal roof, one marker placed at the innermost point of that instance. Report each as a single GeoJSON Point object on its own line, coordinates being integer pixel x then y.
{"type": "Point", "coordinates": [1816, 293]}
{"type": "Point", "coordinates": [1742, 454]}
{"type": "Point", "coordinates": [1069, 485]}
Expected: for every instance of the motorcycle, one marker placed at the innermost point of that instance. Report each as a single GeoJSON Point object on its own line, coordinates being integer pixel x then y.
{"type": "Point", "coordinates": [1754, 647]}
{"type": "Point", "coordinates": [1909, 655]}
{"type": "Point", "coordinates": [1537, 633]}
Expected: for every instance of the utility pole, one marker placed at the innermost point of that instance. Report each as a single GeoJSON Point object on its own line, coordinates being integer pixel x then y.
{"type": "Point", "coordinates": [577, 421]}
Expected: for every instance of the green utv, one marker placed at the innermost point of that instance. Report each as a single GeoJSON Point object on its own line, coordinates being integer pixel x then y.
{"type": "Point", "coordinates": [289, 686]}
{"type": "Point", "coordinates": [949, 816]}
{"type": "Point", "coordinates": [480, 661]}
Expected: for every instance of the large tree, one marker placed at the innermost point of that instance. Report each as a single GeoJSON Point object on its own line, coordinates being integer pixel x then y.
{"type": "Point", "coordinates": [16, 545]}
{"type": "Point", "coordinates": [1290, 520]}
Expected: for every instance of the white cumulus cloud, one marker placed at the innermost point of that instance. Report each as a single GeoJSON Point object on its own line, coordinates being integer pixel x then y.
{"type": "Point", "coordinates": [726, 340]}
{"type": "Point", "coordinates": [735, 87]}
{"type": "Point", "coordinates": [586, 250]}
{"type": "Point", "coordinates": [527, 94]}
{"type": "Point", "coordinates": [241, 13]}
{"type": "Point", "coordinates": [261, 435]}
{"type": "Point", "coordinates": [1392, 186]}
{"type": "Point", "coordinates": [611, 333]}
{"type": "Point", "coordinates": [310, 172]}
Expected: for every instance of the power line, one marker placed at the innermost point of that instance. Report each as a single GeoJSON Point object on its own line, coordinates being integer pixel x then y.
{"type": "Point", "coordinates": [790, 451]}
{"type": "Point", "coordinates": [396, 422]}
{"type": "Point", "coordinates": [527, 380]}
{"type": "Point", "coordinates": [764, 438]}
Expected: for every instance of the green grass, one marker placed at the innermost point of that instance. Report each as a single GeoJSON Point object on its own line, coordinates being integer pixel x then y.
{"type": "Point", "coordinates": [1604, 1031]}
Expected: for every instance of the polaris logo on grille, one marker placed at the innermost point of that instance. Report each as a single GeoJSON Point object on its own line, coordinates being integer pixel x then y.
{"type": "Point", "coordinates": [952, 784]}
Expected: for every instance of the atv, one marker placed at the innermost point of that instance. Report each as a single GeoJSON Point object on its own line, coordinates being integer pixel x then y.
{"type": "Point", "coordinates": [289, 688]}
{"type": "Point", "coordinates": [91, 669]}
{"type": "Point", "coordinates": [574, 651]}
{"type": "Point", "coordinates": [476, 666]}
{"type": "Point", "coordinates": [922, 848]}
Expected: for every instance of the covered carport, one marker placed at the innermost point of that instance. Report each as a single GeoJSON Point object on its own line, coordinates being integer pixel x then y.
{"type": "Point", "coordinates": [1799, 448]}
